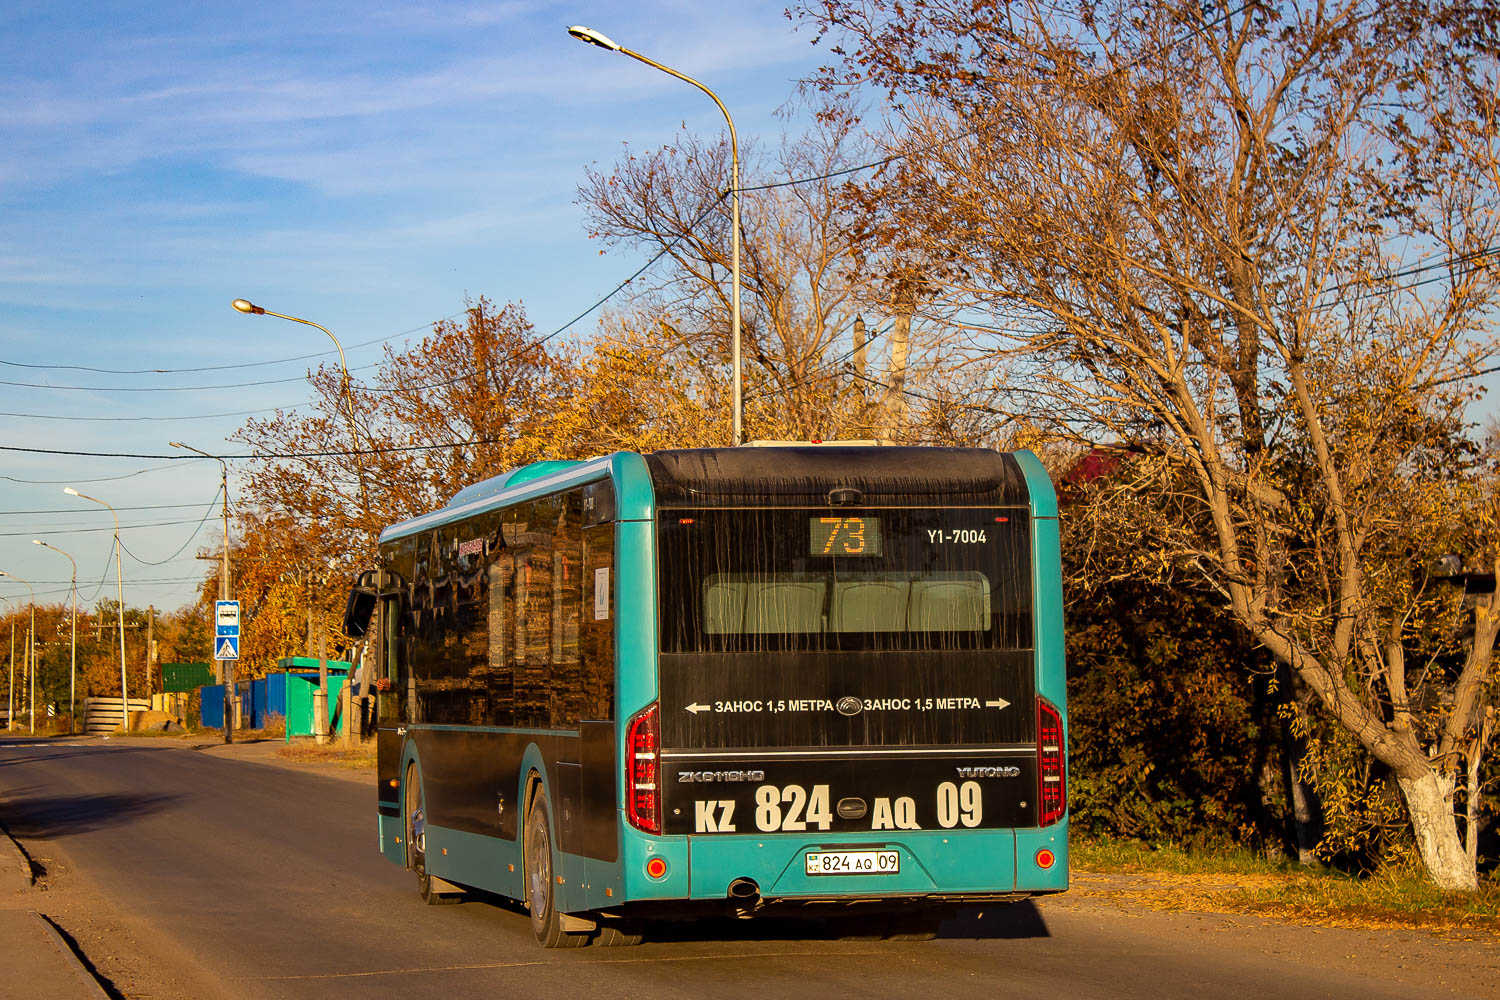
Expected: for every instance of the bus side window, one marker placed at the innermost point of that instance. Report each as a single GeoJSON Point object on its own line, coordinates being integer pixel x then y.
{"type": "Point", "coordinates": [502, 662]}
{"type": "Point", "coordinates": [565, 678]}
{"type": "Point", "coordinates": [533, 618]}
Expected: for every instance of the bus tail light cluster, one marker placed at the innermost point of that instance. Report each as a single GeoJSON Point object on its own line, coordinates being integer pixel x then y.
{"type": "Point", "coordinates": [1051, 764]}
{"type": "Point", "coordinates": [643, 770]}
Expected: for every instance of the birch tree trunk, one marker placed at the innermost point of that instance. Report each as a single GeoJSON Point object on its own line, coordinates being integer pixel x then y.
{"type": "Point", "coordinates": [1429, 802]}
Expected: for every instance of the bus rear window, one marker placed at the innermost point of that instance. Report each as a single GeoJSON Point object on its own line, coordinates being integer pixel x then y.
{"type": "Point", "coordinates": [749, 580]}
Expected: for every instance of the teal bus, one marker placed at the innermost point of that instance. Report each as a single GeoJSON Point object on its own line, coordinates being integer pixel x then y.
{"type": "Point", "coordinates": [821, 680]}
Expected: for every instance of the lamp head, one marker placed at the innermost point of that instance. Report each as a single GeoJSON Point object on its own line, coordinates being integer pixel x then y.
{"type": "Point", "coordinates": [593, 37]}
{"type": "Point", "coordinates": [176, 444]}
{"type": "Point", "coordinates": [246, 306]}
{"type": "Point", "coordinates": [37, 541]}
{"type": "Point", "coordinates": [70, 491]}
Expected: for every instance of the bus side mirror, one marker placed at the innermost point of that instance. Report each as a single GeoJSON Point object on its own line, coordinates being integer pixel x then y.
{"type": "Point", "coordinates": [358, 611]}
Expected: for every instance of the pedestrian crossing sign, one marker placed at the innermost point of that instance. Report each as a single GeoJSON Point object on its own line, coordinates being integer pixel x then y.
{"type": "Point", "coordinates": [227, 647]}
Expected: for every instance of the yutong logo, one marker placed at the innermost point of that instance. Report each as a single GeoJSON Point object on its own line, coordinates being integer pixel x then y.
{"type": "Point", "coordinates": [702, 777]}
{"type": "Point", "coordinates": [988, 772]}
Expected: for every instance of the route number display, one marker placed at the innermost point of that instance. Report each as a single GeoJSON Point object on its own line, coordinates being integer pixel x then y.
{"type": "Point", "coordinates": [844, 536]}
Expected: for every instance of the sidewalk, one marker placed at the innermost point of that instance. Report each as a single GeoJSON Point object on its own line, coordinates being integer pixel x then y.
{"type": "Point", "coordinates": [300, 755]}
{"type": "Point", "coordinates": [38, 965]}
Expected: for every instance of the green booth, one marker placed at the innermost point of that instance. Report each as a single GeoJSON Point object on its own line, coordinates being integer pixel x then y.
{"type": "Point", "coordinates": [300, 675]}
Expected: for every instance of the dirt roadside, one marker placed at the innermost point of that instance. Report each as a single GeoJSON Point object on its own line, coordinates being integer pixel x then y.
{"type": "Point", "coordinates": [1432, 963]}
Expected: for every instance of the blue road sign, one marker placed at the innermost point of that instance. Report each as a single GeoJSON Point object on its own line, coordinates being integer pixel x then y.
{"type": "Point", "coordinates": [227, 647]}
{"type": "Point", "coordinates": [226, 620]}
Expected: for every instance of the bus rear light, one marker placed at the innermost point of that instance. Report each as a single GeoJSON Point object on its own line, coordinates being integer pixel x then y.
{"type": "Point", "coordinates": [642, 767]}
{"type": "Point", "coordinates": [1045, 859]}
{"type": "Point", "coordinates": [1051, 764]}
{"type": "Point", "coordinates": [657, 868]}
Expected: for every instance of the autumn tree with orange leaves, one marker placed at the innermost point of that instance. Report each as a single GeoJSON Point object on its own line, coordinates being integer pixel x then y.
{"type": "Point", "coordinates": [475, 397]}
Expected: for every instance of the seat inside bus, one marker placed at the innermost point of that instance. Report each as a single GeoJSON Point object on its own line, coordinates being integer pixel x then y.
{"type": "Point", "coordinates": [873, 602]}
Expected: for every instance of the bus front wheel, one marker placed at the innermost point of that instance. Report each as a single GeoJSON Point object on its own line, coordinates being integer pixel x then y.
{"type": "Point", "coordinates": [540, 888]}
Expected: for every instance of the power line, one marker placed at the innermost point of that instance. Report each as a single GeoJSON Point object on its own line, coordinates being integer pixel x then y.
{"type": "Point", "coordinates": [432, 385]}
{"type": "Point", "coordinates": [173, 388]}
{"type": "Point", "coordinates": [81, 531]}
{"type": "Point", "coordinates": [566, 326]}
{"type": "Point", "coordinates": [154, 579]}
{"type": "Point", "coordinates": [216, 368]}
{"type": "Point", "coordinates": [828, 367]}
{"type": "Point", "coordinates": [102, 580]}
{"type": "Point", "coordinates": [330, 453]}
{"type": "Point", "coordinates": [102, 479]}
{"type": "Point", "coordinates": [74, 510]}
{"type": "Point", "coordinates": [967, 133]}
{"type": "Point", "coordinates": [201, 522]}
{"type": "Point", "coordinates": [195, 416]}
{"type": "Point", "coordinates": [933, 399]}
{"type": "Point", "coordinates": [1460, 378]}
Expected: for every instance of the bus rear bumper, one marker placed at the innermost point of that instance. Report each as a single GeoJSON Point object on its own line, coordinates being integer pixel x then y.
{"type": "Point", "coordinates": [936, 864]}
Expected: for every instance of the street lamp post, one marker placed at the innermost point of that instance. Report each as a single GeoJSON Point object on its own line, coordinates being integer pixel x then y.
{"type": "Point", "coordinates": [73, 657]}
{"type": "Point", "coordinates": [120, 597]}
{"type": "Point", "coordinates": [251, 309]}
{"type": "Point", "coordinates": [10, 714]}
{"type": "Point", "coordinates": [227, 672]}
{"type": "Point", "coordinates": [30, 646]}
{"type": "Point", "coordinates": [593, 37]}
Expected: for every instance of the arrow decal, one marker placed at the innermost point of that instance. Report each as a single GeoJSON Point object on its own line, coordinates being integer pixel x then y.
{"type": "Point", "coordinates": [996, 703]}
{"type": "Point", "coordinates": [695, 708]}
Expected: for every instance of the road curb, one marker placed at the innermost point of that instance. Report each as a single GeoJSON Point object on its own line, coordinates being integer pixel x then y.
{"type": "Point", "coordinates": [43, 965]}
{"type": "Point", "coordinates": [15, 866]}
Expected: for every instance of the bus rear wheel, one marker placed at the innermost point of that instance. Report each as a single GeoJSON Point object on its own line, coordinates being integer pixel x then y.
{"type": "Point", "coordinates": [540, 887]}
{"type": "Point", "coordinates": [435, 892]}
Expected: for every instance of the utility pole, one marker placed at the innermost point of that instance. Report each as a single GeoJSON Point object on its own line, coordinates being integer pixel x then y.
{"type": "Point", "coordinates": [231, 696]}
{"type": "Point", "coordinates": [10, 715]}
{"type": "Point", "coordinates": [150, 644]}
{"type": "Point", "coordinates": [223, 668]}
{"type": "Point", "coordinates": [30, 644]}
{"type": "Point", "coordinates": [31, 648]}
{"type": "Point", "coordinates": [320, 697]}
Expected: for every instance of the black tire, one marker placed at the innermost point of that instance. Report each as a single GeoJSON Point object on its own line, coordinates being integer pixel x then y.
{"type": "Point", "coordinates": [618, 936]}
{"type": "Point", "coordinates": [918, 925]}
{"type": "Point", "coordinates": [416, 845]}
{"type": "Point", "coordinates": [862, 927]}
{"type": "Point", "coordinates": [539, 883]}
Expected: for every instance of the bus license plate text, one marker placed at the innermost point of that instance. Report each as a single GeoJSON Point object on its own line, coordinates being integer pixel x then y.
{"type": "Point", "coordinates": [853, 862]}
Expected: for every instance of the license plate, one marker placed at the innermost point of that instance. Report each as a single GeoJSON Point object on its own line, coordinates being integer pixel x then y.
{"type": "Point", "coordinates": [853, 862]}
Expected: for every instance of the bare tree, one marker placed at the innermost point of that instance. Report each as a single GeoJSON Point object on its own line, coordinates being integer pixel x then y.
{"type": "Point", "coordinates": [1258, 240]}
{"type": "Point", "coordinates": [804, 282]}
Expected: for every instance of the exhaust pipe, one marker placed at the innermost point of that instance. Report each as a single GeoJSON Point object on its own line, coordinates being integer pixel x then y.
{"type": "Point", "coordinates": [743, 888]}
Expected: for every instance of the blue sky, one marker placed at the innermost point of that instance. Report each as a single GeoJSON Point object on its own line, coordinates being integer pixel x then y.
{"type": "Point", "coordinates": [364, 165]}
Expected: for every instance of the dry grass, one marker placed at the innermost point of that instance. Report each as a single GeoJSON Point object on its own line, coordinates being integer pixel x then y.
{"type": "Point", "coordinates": [361, 758]}
{"type": "Point", "coordinates": [1242, 882]}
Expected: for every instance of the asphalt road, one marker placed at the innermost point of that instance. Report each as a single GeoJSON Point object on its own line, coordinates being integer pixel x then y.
{"type": "Point", "coordinates": [188, 874]}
